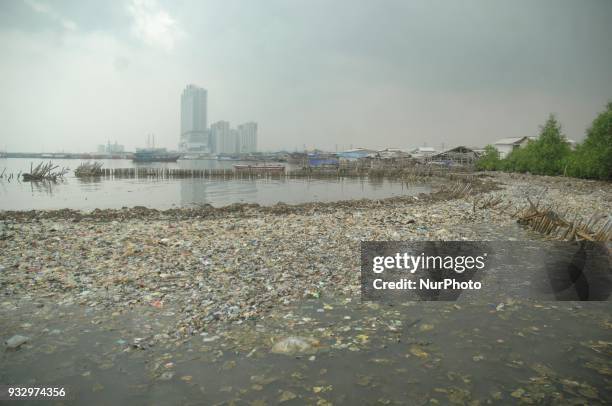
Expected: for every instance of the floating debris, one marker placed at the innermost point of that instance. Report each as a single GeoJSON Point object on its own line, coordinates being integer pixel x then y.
{"type": "Point", "coordinates": [16, 341]}
{"type": "Point", "coordinates": [294, 345]}
{"type": "Point", "coordinates": [286, 396]}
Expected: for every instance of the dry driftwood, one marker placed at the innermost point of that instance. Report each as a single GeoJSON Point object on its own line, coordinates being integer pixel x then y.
{"type": "Point", "coordinates": [45, 171]}
{"type": "Point", "coordinates": [458, 190]}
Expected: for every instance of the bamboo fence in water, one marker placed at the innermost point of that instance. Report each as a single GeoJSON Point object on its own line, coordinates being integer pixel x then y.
{"type": "Point", "coordinates": [254, 172]}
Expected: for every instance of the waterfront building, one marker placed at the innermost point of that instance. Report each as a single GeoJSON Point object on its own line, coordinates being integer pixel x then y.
{"type": "Point", "coordinates": [222, 137]}
{"type": "Point", "coordinates": [460, 155]}
{"type": "Point", "coordinates": [247, 138]}
{"type": "Point", "coordinates": [357, 153]}
{"type": "Point", "coordinates": [194, 136]}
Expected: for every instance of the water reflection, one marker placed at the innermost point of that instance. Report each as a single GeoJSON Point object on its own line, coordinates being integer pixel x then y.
{"type": "Point", "coordinates": [45, 187]}
{"type": "Point", "coordinates": [201, 191]}
{"type": "Point", "coordinates": [91, 193]}
{"type": "Point", "coordinates": [376, 183]}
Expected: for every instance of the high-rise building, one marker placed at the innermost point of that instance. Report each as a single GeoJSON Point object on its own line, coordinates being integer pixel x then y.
{"type": "Point", "coordinates": [223, 138]}
{"type": "Point", "coordinates": [234, 141]}
{"type": "Point", "coordinates": [111, 148]}
{"type": "Point", "coordinates": [194, 136]}
{"type": "Point", "coordinates": [247, 137]}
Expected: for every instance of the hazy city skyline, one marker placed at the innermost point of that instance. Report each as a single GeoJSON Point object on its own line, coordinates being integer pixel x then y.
{"type": "Point", "coordinates": [317, 73]}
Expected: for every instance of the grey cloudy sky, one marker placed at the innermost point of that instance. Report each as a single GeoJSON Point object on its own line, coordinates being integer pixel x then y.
{"type": "Point", "coordinates": [76, 73]}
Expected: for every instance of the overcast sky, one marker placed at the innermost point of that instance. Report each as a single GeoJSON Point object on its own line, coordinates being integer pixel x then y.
{"type": "Point", "coordinates": [74, 74]}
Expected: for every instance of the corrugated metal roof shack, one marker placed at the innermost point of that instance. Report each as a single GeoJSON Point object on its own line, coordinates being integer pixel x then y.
{"type": "Point", "coordinates": [460, 155]}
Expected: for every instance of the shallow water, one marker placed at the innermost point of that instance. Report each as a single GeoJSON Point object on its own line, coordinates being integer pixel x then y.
{"type": "Point", "coordinates": [88, 194]}
{"type": "Point", "coordinates": [369, 354]}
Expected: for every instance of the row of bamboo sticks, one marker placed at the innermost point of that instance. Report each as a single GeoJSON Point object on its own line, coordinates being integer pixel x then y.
{"type": "Point", "coordinates": [546, 220]}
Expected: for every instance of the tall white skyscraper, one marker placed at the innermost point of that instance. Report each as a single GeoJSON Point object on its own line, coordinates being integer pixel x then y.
{"type": "Point", "coordinates": [194, 136]}
{"type": "Point", "coordinates": [247, 137]}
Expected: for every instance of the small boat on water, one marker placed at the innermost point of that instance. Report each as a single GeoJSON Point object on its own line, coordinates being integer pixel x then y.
{"type": "Point", "coordinates": [155, 155]}
{"type": "Point", "coordinates": [259, 168]}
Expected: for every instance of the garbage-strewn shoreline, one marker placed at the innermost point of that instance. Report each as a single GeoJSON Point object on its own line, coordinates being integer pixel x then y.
{"type": "Point", "coordinates": [237, 262]}
{"type": "Point", "coordinates": [198, 305]}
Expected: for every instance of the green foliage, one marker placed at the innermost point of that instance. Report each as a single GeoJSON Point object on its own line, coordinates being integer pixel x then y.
{"type": "Point", "coordinates": [519, 160]}
{"type": "Point", "coordinates": [547, 155]}
{"type": "Point", "coordinates": [550, 154]}
{"type": "Point", "coordinates": [489, 161]}
{"type": "Point", "coordinates": [593, 158]}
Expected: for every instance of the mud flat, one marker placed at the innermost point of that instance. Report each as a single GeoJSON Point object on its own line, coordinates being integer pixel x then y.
{"type": "Point", "coordinates": [195, 299]}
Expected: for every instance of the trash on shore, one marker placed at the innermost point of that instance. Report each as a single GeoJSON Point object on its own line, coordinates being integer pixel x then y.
{"type": "Point", "coordinates": [16, 341]}
{"type": "Point", "coordinates": [294, 345]}
{"type": "Point", "coordinates": [214, 267]}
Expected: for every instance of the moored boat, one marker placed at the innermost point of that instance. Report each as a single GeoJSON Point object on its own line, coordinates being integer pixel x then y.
{"type": "Point", "coordinates": [155, 155]}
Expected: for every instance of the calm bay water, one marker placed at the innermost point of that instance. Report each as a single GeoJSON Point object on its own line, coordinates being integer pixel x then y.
{"type": "Point", "coordinates": [162, 194]}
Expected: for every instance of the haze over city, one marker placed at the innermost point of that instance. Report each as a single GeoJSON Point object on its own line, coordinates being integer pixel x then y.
{"type": "Point", "coordinates": [316, 73]}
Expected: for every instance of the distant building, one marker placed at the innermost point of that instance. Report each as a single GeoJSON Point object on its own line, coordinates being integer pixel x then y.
{"type": "Point", "coordinates": [389, 158]}
{"type": "Point", "coordinates": [506, 145]}
{"type": "Point", "coordinates": [356, 153]}
{"type": "Point", "coordinates": [421, 152]}
{"type": "Point", "coordinates": [460, 155]}
{"type": "Point", "coordinates": [234, 141]}
{"type": "Point", "coordinates": [194, 136]}
{"type": "Point", "coordinates": [392, 153]}
{"type": "Point", "coordinates": [222, 138]}
{"type": "Point", "coordinates": [110, 148]}
{"type": "Point", "coordinates": [247, 138]}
